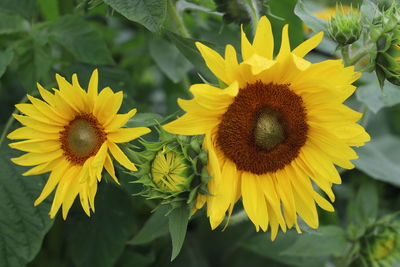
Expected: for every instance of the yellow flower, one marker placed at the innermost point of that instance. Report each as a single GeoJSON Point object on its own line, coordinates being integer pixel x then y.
{"type": "Point", "coordinates": [70, 134]}
{"type": "Point", "coordinates": [274, 132]}
{"type": "Point", "coordinates": [167, 171]}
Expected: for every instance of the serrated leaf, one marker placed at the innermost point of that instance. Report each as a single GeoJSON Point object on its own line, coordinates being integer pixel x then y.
{"type": "Point", "coordinates": [22, 226]}
{"type": "Point", "coordinates": [5, 59]}
{"type": "Point", "coordinates": [379, 159]}
{"type": "Point", "coordinates": [155, 227]}
{"type": "Point", "coordinates": [374, 97]}
{"type": "Point", "coordinates": [149, 13]}
{"type": "Point", "coordinates": [168, 58]}
{"type": "Point", "coordinates": [99, 240]}
{"type": "Point", "coordinates": [12, 23]}
{"type": "Point", "coordinates": [81, 39]}
{"type": "Point", "coordinates": [316, 24]}
{"type": "Point", "coordinates": [326, 241]}
{"type": "Point", "coordinates": [178, 222]}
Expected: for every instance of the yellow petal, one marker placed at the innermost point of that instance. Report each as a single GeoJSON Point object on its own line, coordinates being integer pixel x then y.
{"type": "Point", "coordinates": [47, 111]}
{"type": "Point", "coordinates": [31, 111]}
{"type": "Point", "coordinates": [103, 101]}
{"type": "Point", "coordinates": [231, 64]}
{"type": "Point", "coordinates": [46, 95]}
{"type": "Point", "coordinates": [30, 159]}
{"type": "Point", "coordinates": [37, 125]}
{"type": "Point", "coordinates": [70, 94]}
{"type": "Point", "coordinates": [191, 124]}
{"type": "Point", "coordinates": [37, 146]}
{"type": "Point", "coordinates": [120, 156]}
{"type": "Point", "coordinates": [72, 192]}
{"type": "Point", "coordinates": [308, 45]}
{"type": "Point", "coordinates": [108, 113]}
{"type": "Point", "coordinates": [28, 133]}
{"type": "Point", "coordinates": [213, 61]}
{"type": "Point", "coordinates": [285, 44]}
{"type": "Point", "coordinates": [323, 203]}
{"type": "Point", "coordinates": [93, 88]}
{"type": "Point", "coordinates": [123, 135]}
{"type": "Point", "coordinates": [119, 120]}
{"type": "Point", "coordinates": [42, 168]}
{"type": "Point", "coordinates": [285, 192]}
{"type": "Point", "coordinates": [55, 176]}
{"type": "Point", "coordinates": [108, 165]}
{"type": "Point", "coordinates": [247, 49]}
{"type": "Point", "coordinates": [98, 161]}
{"type": "Point", "coordinates": [264, 40]}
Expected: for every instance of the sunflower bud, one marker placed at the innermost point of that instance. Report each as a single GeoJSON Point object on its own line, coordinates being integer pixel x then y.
{"type": "Point", "coordinates": [381, 247]}
{"type": "Point", "coordinates": [173, 169]}
{"type": "Point", "coordinates": [345, 29]}
{"type": "Point", "coordinates": [386, 34]}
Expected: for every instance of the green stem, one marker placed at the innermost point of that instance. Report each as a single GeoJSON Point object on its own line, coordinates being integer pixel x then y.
{"type": "Point", "coordinates": [177, 19]}
{"type": "Point", "coordinates": [10, 122]}
{"type": "Point", "coordinates": [254, 14]}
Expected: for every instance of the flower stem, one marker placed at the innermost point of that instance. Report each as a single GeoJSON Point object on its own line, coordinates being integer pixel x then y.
{"type": "Point", "coordinates": [177, 19]}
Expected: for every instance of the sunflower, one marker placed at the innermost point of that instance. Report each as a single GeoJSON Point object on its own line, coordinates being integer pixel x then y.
{"type": "Point", "coordinates": [274, 132]}
{"type": "Point", "coordinates": [70, 134]}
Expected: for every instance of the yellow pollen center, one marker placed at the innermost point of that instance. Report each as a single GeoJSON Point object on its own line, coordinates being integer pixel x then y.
{"type": "Point", "coordinates": [82, 138]}
{"type": "Point", "coordinates": [269, 130]}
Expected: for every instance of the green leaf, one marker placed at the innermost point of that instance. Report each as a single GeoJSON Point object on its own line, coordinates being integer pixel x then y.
{"type": "Point", "coordinates": [261, 245]}
{"type": "Point", "coordinates": [374, 97]}
{"type": "Point", "coordinates": [11, 23]}
{"type": "Point", "coordinates": [284, 10]}
{"type": "Point", "coordinates": [149, 13]}
{"type": "Point", "coordinates": [49, 9]}
{"type": "Point", "coordinates": [5, 59]}
{"type": "Point", "coordinates": [168, 58]}
{"type": "Point", "coordinates": [187, 47]}
{"type": "Point", "coordinates": [99, 240]}
{"type": "Point", "coordinates": [379, 159]}
{"type": "Point", "coordinates": [366, 204]}
{"type": "Point", "coordinates": [25, 8]}
{"type": "Point", "coordinates": [155, 227]}
{"type": "Point", "coordinates": [135, 259]}
{"type": "Point", "coordinates": [81, 39]}
{"type": "Point", "coordinates": [326, 241]}
{"type": "Point", "coordinates": [178, 222]}
{"type": "Point", "coordinates": [316, 24]}
{"type": "Point", "coordinates": [22, 226]}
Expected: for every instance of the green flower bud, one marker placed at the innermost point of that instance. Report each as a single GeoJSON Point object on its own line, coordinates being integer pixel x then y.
{"type": "Point", "coordinates": [345, 29]}
{"type": "Point", "coordinates": [172, 169]}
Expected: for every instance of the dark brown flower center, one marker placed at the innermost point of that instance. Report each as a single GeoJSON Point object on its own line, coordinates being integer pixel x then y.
{"type": "Point", "coordinates": [82, 138]}
{"type": "Point", "coordinates": [264, 128]}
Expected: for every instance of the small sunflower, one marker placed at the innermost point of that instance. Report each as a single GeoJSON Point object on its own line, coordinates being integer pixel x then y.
{"type": "Point", "coordinates": [70, 134]}
{"type": "Point", "coordinates": [274, 132]}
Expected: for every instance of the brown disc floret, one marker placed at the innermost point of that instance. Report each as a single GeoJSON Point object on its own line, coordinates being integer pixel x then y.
{"type": "Point", "coordinates": [264, 128]}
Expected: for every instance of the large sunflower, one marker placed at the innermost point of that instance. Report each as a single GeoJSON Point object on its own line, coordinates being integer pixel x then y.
{"type": "Point", "coordinates": [70, 134]}
{"type": "Point", "coordinates": [274, 132]}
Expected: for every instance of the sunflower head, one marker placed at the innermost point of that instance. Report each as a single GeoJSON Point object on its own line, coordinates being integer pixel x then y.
{"type": "Point", "coordinates": [274, 132]}
{"type": "Point", "coordinates": [173, 169]}
{"type": "Point", "coordinates": [73, 134]}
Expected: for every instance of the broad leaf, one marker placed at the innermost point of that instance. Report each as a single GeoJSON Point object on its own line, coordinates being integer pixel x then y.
{"type": "Point", "coordinates": [374, 97]}
{"type": "Point", "coordinates": [379, 159]}
{"type": "Point", "coordinates": [178, 222]}
{"type": "Point", "coordinates": [99, 240]}
{"type": "Point", "coordinates": [149, 13]}
{"type": "Point", "coordinates": [168, 58]}
{"type": "Point", "coordinates": [5, 59]}
{"type": "Point", "coordinates": [25, 8]}
{"type": "Point", "coordinates": [156, 226]}
{"type": "Point", "coordinates": [145, 120]}
{"type": "Point", "coordinates": [81, 39]}
{"type": "Point", "coordinates": [11, 23]}
{"type": "Point", "coordinates": [22, 226]}
{"type": "Point", "coordinates": [326, 241]}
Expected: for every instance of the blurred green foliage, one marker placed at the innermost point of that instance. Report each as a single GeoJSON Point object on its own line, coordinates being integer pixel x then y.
{"type": "Point", "coordinates": [141, 48]}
